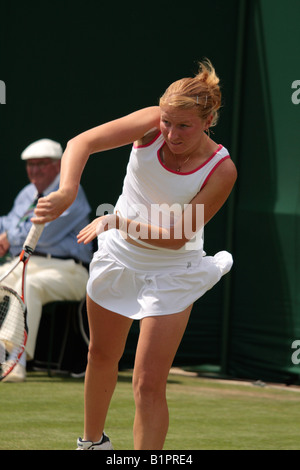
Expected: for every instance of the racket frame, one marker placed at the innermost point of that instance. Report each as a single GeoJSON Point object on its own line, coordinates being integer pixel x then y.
{"type": "Point", "coordinates": [28, 249]}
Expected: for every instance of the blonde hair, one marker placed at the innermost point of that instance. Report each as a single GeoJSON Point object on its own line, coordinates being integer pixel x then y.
{"type": "Point", "coordinates": [201, 91]}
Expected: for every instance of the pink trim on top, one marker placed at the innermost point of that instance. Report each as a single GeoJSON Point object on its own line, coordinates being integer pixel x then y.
{"type": "Point", "coordinates": [150, 143]}
{"type": "Point", "coordinates": [213, 169]}
{"type": "Point", "coordinates": [189, 172]}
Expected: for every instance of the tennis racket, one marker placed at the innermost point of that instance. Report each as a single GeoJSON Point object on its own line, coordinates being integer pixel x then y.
{"type": "Point", "coordinates": [13, 323]}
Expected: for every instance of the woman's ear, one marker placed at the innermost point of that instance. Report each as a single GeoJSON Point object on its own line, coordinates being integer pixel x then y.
{"type": "Point", "coordinates": [208, 122]}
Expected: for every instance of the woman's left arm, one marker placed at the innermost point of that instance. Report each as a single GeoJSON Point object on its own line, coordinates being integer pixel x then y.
{"type": "Point", "coordinates": [211, 198]}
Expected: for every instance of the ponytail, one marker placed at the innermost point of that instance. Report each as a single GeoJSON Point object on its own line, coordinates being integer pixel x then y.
{"type": "Point", "coordinates": [201, 91]}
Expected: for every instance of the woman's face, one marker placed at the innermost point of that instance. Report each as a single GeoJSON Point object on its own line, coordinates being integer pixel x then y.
{"type": "Point", "coordinates": [182, 129]}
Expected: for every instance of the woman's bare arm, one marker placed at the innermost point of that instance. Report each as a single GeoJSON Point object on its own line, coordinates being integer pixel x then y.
{"type": "Point", "coordinates": [211, 198]}
{"type": "Point", "coordinates": [107, 136]}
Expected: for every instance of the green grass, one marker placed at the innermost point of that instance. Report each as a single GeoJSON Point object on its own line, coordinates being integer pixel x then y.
{"type": "Point", "coordinates": [47, 413]}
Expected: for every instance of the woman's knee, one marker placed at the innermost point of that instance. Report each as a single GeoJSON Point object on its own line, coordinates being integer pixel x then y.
{"type": "Point", "coordinates": [148, 388]}
{"type": "Point", "coordinates": [102, 357]}
{"type": "Point", "coordinates": [108, 334]}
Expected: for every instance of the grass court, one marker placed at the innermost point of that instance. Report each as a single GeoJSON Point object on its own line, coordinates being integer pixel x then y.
{"type": "Point", "coordinates": [46, 413]}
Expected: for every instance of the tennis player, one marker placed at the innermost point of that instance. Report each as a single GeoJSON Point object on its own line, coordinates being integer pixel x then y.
{"type": "Point", "coordinates": [150, 265]}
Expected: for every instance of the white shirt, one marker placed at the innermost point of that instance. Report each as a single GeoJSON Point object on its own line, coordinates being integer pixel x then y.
{"type": "Point", "coordinates": [156, 195]}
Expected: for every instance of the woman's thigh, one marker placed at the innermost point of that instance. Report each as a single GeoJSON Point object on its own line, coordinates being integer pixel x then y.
{"type": "Point", "coordinates": [108, 331]}
{"type": "Point", "coordinates": [158, 342]}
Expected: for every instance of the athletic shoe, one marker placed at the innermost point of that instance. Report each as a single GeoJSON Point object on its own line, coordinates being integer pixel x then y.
{"type": "Point", "coordinates": [79, 375]}
{"type": "Point", "coordinates": [103, 444]}
{"type": "Point", "coordinates": [18, 374]}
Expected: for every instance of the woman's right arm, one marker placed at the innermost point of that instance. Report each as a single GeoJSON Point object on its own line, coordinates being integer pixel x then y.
{"type": "Point", "coordinates": [107, 136]}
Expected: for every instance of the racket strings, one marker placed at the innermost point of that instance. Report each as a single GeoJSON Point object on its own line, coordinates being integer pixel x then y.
{"type": "Point", "coordinates": [12, 327]}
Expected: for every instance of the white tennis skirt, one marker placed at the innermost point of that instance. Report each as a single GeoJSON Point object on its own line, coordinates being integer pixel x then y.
{"type": "Point", "coordinates": [138, 282]}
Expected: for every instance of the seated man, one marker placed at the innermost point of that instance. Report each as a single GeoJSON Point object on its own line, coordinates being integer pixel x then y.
{"type": "Point", "coordinates": [58, 268]}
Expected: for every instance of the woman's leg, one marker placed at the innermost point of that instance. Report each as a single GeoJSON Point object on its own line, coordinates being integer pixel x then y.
{"type": "Point", "coordinates": [108, 334]}
{"type": "Point", "coordinates": [158, 343]}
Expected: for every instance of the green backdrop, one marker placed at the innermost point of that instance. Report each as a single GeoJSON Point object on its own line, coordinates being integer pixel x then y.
{"type": "Point", "coordinates": [265, 313]}
{"type": "Point", "coordinates": [69, 66]}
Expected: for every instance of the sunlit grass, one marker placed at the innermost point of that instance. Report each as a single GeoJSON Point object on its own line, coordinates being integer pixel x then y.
{"type": "Point", "coordinates": [47, 413]}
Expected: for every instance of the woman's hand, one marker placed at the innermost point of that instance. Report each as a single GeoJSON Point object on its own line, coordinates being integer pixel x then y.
{"type": "Point", "coordinates": [98, 226]}
{"type": "Point", "coordinates": [52, 206]}
{"type": "Point", "coordinates": [4, 244]}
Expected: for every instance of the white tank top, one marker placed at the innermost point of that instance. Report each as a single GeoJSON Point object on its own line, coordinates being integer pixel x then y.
{"type": "Point", "coordinates": [156, 195]}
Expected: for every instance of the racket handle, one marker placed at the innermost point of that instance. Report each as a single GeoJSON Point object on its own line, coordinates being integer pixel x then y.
{"type": "Point", "coordinates": [33, 237]}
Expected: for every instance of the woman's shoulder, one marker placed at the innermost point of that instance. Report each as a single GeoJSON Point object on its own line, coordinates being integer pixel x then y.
{"type": "Point", "coordinates": [150, 136]}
